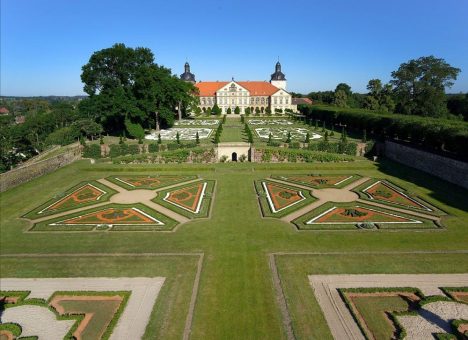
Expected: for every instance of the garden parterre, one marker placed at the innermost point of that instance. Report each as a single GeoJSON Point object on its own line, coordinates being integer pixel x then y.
{"type": "Point", "coordinates": [197, 122]}
{"type": "Point", "coordinates": [236, 280]}
{"type": "Point", "coordinates": [184, 134]}
{"type": "Point", "coordinates": [296, 133]}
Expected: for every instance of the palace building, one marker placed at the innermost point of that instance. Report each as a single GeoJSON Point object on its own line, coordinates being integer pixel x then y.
{"type": "Point", "coordinates": [243, 94]}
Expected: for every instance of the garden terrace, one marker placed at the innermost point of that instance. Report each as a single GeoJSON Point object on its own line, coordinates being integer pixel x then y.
{"type": "Point", "coordinates": [245, 256]}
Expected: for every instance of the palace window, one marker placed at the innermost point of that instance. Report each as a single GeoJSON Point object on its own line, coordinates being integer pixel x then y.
{"type": "Point", "coordinates": [276, 101]}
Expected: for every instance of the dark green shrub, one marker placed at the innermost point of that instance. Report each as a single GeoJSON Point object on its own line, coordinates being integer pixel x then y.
{"type": "Point", "coordinates": [92, 151]}
{"type": "Point", "coordinates": [172, 146]}
{"type": "Point", "coordinates": [153, 147]}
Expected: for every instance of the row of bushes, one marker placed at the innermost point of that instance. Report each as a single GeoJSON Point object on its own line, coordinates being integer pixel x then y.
{"type": "Point", "coordinates": [433, 133]}
{"type": "Point", "coordinates": [348, 148]}
{"type": "Point", "coordinates": [116, 150]}
{"type": "Point", "coordinates": [300, 155]}
{"type": "Point", "coordinates": [198, 155]}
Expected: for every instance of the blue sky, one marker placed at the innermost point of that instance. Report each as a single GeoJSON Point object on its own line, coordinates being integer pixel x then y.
{"type": "Point", "coordinates": [44, 43]}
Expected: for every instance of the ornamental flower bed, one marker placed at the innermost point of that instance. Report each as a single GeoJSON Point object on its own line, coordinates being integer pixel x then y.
{"type": "Point", "coordinates": [113, 217]}
{"type": "Point", "coordinates": [81, 195]}
{"type": "Point", "coordinates": [190, 200]}
{"type": "Point", "coordinates": [184, 134]}
{"type": "Point", "coordinates": [318, 181]}
{"type": "Point", "coordinates": [197, 122]}
{"type": "Point", "coordinates": [282, 133]}
{"type": "Point", "coordinates": [384, 191]}
{"type": "Point", "coordinates": [283, 122]}
{"type": "Point", "coordinates": [133, 182]}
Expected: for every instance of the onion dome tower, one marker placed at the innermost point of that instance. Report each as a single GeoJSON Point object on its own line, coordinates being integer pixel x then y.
{"type": "Point", "coordinates": [278, 78]}
{"type": "Point", "coordinates": [187, 76]}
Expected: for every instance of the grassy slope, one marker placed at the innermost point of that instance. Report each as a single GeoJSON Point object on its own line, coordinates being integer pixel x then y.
{"type": "Point", "coordinates": [233, 131]}
{"type": "Point", "coordinates": [236, 297]}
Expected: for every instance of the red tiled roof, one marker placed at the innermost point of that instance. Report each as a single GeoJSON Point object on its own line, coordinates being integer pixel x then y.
{"type": "Point", "coordinates": [4, 110]}
{"type": "Point", "coordinates": [298, 101]}
{"type": "Point", "coordinates": [256, 88]}
{"type": "Point", "coordinates": [209, 88]}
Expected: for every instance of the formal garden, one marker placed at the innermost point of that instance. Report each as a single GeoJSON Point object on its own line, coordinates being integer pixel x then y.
{"type": "Point", "coordinates": [183, 224]}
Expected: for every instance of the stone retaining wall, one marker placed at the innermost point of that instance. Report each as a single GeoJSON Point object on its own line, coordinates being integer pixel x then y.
{"type": "Point", "coordinates": [451, 170]}
{"type": "Point", "coordinates": [26, 173]}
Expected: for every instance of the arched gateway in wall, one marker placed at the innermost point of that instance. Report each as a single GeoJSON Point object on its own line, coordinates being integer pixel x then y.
{"type": "Point", "coordinates": [234, 151]}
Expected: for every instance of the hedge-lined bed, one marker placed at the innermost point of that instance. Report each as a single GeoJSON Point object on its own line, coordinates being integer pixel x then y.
{"type": "Point", "coordinates": [205, 204]}
{"type": "Point", "coordinates": [59, 223]}
{"type": "Point", "coordinates": [423, 224]}
{"type": "Point", "coordinates": [150, 182]}
{"type": "Point", "coordinates": [265, 206]}
{"type": "Point", "coordinates": [425, 206]}
{"type": "Point", "coordinates": [318, 181]}
{"type": "Point", "coordinates": [280, 155]}
{"type": "Point", "coordinates": [78, 317]}
{"type": "Point", "coordinates": [108, 192]}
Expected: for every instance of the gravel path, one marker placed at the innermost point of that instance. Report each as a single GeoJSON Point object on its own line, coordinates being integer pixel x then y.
{"type": "Point", "coordinates": [324, 195]}
{"type": "Point", "coordinates": [340, 320]}
{"type": "Point", "coordinates": [37, 321]}
{"type": "Point", "coordinates": [132, 322]}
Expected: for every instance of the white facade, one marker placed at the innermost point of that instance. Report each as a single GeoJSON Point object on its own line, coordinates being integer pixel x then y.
{"type": "Point", "coordinates": [281, 84]}
{"type": "Point", "coordinates": [229, 95]}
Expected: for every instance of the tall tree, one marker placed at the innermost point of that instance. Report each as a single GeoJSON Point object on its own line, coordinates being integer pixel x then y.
{"type": "Point", "coordinates": [419, 86]}
{"type": "Point", "coordinates": [379, 97]}
{"type": "Point", "coordinates": [341, 98]}
{"type": "Point", "coordinates": [125, 83]}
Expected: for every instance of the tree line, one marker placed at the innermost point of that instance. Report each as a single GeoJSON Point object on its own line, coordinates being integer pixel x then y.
{"type": "Point", "coordinates": [416, 88]}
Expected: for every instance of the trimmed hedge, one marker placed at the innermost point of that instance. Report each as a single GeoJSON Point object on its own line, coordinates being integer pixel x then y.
{"type": "Point", "coordinates": [92, 151]}
{"type": "Point", "coordinates": [196, 155]}
{"type": "Point", "coordinates": [300, 155]}
{"type": "Point", "coordinates": [432, 133]}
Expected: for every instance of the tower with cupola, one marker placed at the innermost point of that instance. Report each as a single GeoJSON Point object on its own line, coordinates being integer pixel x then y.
{"type": "Point", "coordinates": [278, 78]}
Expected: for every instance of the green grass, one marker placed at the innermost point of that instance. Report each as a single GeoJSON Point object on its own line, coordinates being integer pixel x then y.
{"type": "Point", "coordinates": [233, 131]}
{"type": "Point", "coordinates": [236, 298]}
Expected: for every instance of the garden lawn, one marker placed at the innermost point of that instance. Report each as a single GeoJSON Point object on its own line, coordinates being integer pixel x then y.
{"type": "Point", "coordinates": [236, 297]}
